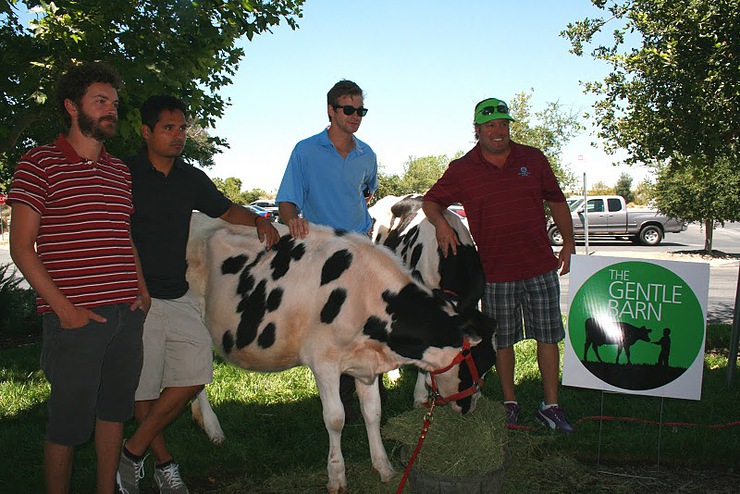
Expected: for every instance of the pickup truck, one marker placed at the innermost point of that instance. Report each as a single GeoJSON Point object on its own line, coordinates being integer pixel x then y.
{"type": "Point", "coordinates": [608, 216]}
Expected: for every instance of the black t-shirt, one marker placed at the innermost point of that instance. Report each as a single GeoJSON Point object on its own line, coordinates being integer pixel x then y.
{"type": "Point", "coordinates": [160, 224]}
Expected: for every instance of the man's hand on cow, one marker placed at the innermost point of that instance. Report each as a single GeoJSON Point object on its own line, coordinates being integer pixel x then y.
{"type": "Point", "coordinates": [298, 227]}
{"type": "Point", "coordinates": [564, 257]}
{"type": "Point", "coordinates": [266, 232]}
{"type": "Point", "coordinates": [446, 237]}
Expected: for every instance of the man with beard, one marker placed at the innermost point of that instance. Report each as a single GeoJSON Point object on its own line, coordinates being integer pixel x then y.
{"type": "Point", "coordinates": [178, 353]}
{"type": "Point", "coordinates": [70, 237]}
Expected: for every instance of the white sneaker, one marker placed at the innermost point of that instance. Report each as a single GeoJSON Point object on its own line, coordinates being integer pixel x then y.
{"type": "Point", "coordinates": [169, 481]}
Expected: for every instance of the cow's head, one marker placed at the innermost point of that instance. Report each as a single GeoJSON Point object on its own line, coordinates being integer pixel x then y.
{"type": "Point", "coordinates": [643, 333]}
{"type": "Point", "coordinates": [431, 330]}
{"type": "Point", "coordinates": [459, 384]}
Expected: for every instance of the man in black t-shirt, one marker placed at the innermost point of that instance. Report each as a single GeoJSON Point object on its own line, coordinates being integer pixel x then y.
{"type": "Point", "coordinates": [178, 356]}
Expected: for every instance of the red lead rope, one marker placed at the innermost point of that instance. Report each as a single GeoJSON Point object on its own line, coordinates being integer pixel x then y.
{"type": "Point", "coordinates": [436, 399]}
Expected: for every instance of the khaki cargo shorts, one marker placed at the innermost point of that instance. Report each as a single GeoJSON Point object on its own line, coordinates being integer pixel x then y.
{"type": "Point", "coordinates": [178, 350]}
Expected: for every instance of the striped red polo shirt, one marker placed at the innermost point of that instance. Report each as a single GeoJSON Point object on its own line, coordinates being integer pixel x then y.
{"type": "Point", "coordinates": [84, 236]}
{"type": "Point", "coordinates": [505, 209]}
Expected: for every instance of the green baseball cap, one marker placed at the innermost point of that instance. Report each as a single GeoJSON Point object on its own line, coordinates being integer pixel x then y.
{"type": "Point", "coordinates": [491, 109]}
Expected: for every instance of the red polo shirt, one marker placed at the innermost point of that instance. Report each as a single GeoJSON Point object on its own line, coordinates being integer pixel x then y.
{"type": "Point", "coordinates": [84, 236]}
{"type": "Point", "coordinates": [505, 209]}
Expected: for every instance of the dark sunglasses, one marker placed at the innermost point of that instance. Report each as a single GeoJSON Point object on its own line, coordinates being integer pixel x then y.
{"type": "Point", "coordinates": [349, 110]}
{"type": "Point", "coordinates": [500, 108]}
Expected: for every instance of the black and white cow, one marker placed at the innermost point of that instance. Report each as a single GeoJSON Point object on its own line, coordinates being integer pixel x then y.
{"type": "Point", "coordinates": [336, 303]}
{"type": "Point", "coordinates": [402, 226]}
{"type": "Point", "coordinates": [622, 334]}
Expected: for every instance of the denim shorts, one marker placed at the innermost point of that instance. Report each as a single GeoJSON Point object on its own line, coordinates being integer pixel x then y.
{"type": "Point", "coordinates": [93, 371]}
{"type": "Point", "coordinates": [528, 308]}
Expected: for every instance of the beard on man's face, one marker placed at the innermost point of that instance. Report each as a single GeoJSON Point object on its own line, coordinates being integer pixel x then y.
{"type": "Point", "coordinates": [99, 130]}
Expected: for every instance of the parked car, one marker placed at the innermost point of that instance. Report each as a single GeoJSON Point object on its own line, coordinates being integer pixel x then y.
{"type": "Point", "coordinates": [262, 212]}
{"type": "Point", "coordinates": [267, 204]}
{"type": "Point", "coordinates": [608, 216]}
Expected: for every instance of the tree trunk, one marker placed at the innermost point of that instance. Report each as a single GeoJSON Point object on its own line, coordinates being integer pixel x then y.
{"type": "Point", "coordinates": [18, 129]}
{"type": "Point", "coordinates": [708, 234]}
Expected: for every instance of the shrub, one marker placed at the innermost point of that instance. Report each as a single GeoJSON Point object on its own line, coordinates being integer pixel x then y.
{"type": "Point", "coordinates": [18, 316]}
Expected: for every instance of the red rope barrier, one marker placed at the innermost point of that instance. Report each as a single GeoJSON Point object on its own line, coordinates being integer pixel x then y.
{"type": "Point", "coordinates": [652, 422]}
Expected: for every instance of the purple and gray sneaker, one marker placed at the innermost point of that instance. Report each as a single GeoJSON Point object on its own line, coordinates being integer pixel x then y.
{"type": "Point", "coordinates": [554, 417]}
{"type": "Point", "coordinates": [512, 412]}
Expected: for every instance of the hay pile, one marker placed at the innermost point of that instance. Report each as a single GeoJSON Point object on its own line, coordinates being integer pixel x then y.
{"type": "Point", "coordinates": [456, 445]}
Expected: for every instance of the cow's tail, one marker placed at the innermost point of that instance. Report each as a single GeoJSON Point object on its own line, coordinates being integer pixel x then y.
{"type": "Point", "coordinates": [204, 415]}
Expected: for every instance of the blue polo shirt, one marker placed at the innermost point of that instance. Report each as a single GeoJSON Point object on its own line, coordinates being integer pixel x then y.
{"type": "Point", "coordinates": [327, 188]}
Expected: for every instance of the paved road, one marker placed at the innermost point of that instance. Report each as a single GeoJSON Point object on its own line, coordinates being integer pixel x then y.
{"type": "Point", "coordinates": [723, 272]}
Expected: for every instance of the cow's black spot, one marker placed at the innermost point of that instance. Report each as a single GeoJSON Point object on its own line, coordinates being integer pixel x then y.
{"type": "Point", "coordinates": [246, 283]}
{"type": "Point", "coordinates": [286, 250]}
{"type": "Point", "coordinates": [246, 280]}
{"type": "Point", "coordinates": [252, 307]}
{"type": "Point", "coordinates": [463, 275]}
{"type": "Point", "coordinates": [332, 306]}
{"type": "Point", "coordinates": [376, 329]}
{"type": "Point", "coordinates": [234, 264]}
{"type": "Point", "coordinates": [418, 322]}
{"type": "Point", "coordinates": [416, 255]}
{"type": "Point", "coordinates": [274, 299]}
{"type": "Point", "coordinates": [267, 337]}
{"type": "Point", "coordinates": [340, 233]}
{"type": "Point", "coordinates": [227, 342]}
{"type": "Point", "coordinates": [409, 240]}
{"type": "Point", "coordinates": [337, 264]}
{"type": "Point", "coordinates": [281, 261]}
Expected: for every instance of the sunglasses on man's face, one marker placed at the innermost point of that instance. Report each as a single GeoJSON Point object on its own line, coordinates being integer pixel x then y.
{"type": "Point", "coordinates": [349, 110]}
{"type": "Point", "coordinates": [489, 110]}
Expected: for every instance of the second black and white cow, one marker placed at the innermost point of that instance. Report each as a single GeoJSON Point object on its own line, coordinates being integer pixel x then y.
{"type": "Point", "coordinates": [336, 303]}
{"type": "Point", "coordinates": [402, 226]}
{"type": "Point", "coordinates": [622, 334]}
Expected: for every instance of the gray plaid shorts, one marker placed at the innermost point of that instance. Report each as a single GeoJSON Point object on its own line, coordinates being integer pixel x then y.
{"type": "Point", "coordinates": [527, 308]}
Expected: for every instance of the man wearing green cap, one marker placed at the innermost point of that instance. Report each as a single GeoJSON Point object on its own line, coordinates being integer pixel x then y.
{"type": "Point", "coordinates": [503, 186]}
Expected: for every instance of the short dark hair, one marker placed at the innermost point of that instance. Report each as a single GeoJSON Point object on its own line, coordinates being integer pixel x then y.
{"type": "Point", "coordinates": [74, 83]}
{"type": "Point", "coordinates": [153, 106]}
{"type": "Point", "coordinates": [342, 88]}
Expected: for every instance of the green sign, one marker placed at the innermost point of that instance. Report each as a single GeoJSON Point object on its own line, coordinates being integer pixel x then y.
{"type": "Point", "coordinates": [635, 325]}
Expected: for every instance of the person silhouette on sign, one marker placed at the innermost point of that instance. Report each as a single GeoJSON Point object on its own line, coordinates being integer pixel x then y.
{"type": "Point", "coordinates": [665, 347]}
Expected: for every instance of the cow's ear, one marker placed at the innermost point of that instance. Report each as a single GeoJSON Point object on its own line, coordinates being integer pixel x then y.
{"type": "Point", "coordinates": [447, 296]}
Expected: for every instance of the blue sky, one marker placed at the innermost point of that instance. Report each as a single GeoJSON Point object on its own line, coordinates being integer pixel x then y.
{"type": "Point", "coordinates": [422, 64]}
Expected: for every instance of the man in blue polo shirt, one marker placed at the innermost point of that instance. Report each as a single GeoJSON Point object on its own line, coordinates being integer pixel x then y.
{"type": "Point", "coordinates": [330, 178]}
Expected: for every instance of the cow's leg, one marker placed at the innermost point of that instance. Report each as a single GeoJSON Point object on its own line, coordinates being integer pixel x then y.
{"type": "Point", "coordinates": [619, 352]}
{"type": "Point", "coordinates": [370, 404]}
{"type": "Point", "coordinates": [596, 351]}
{"type": "Point", "coordinates": [206, 417]}
{"type": "Point", "coordinates": [327, 381]}
{"type": "Point", "coordinates": [420, 390]}
{"type": "Point", "coordinates": [627, 352]}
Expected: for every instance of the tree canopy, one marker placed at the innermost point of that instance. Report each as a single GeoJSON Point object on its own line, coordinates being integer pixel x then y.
{"type": "Point", "coordinates": [674, 88]}
{"type": "Point", "coordinates": [672, 98]}
{"type": "Point", "coordinates": [548, 130]}
{"type": "Point", "coordinates": [186, 48]}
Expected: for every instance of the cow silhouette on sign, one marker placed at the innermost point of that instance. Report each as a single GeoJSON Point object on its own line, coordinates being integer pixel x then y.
{"type": "Point", "coordinates": [622, 334]}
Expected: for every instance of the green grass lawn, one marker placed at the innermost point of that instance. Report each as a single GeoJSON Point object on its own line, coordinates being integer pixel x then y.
{"type": "Point", "coordinates": [276, 440]}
